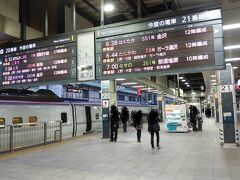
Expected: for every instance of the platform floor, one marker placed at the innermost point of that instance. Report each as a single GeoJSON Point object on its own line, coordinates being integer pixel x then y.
{"type": "Point", "coordinates": [183, 156]}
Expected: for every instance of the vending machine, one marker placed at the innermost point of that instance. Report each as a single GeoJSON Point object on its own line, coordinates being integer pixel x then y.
{"type": "Point", "coordinates": [176, 119]}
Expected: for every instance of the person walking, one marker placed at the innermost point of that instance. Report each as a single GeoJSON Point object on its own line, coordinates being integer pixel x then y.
{"type": "Point", "coordinates": [138, 124]}
{"type": "Point", "coordinates": [153, 126]}
{"type": "Point", "coordinates": [193, 116]}
{"type": "Point", "coordinates": [114, 123]}
{"type": "Point", "coordinates": [124, 118]}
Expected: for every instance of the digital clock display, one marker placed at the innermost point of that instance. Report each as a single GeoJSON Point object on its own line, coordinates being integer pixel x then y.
{"type": "Point", "coordinates": [40, 62]}
{"type": "Point", "coordinates": [170, 50]}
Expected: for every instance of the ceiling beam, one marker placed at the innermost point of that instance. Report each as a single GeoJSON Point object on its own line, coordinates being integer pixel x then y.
{"type": "Point", "coordinates": [81, 13]}
{"type": "Point", "coordinates": [133, 7]}
{"type": "Point", "coordinates": [160, 8]}
{"type": "Point", "coordinates": [166, 5]}
{"type": "Point", "coordinates": [128, 13]}
{"type": "Point", "coordinates": [115, 19]}
{"type": "Point", "coordinates": [178, 4]}
{"type": "Point", "coordinates": [91, 6]}
{"type": "Point", "coordinates": [144, 8]}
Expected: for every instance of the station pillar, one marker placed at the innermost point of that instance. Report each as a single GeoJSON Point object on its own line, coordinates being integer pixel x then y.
{"type": "Point", "coordinates": [227, 106]}
{"type": "Point", "coordinates": [161, 109]}
{"type": "Point", "coordinates": [108, 98]}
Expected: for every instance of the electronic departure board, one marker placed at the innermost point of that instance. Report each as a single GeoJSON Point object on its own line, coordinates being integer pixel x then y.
{"type": "Point", "coordinates": [183, 44]}
{"type": "Point", "coordinates": [45, 61]}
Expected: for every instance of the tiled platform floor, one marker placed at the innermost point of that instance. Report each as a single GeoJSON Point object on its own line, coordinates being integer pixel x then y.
{"type": "Point", "coordinates": [183, 156]}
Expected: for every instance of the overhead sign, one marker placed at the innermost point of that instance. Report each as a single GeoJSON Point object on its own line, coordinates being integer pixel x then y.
{"type": "Point", "coordinates": [226, 88]}
{"type": "Point", "coordinates": [191, 43]}
{"type": "Point", "coordinates": [45, 61]}
{"type": "Point", "coordinates": [86, 57]}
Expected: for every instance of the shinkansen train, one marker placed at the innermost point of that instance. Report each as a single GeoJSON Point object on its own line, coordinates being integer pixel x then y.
{"type": "Point", "coordinates": [77, 117]}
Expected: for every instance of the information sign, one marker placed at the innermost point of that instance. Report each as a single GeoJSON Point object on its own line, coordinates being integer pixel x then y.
{"type": "Point", "coordinates": [44, 61]}
{"type": "Point", "coordinates": [183, 47]}
{"type": "Point", "coordinates": [86, 56]}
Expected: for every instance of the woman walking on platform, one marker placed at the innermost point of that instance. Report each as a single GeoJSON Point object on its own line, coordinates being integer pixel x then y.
{"type": "Point", "coordinates": [138, 124]}
{"type": "Point", "coordinates": [153, 126]}
{"type": "Point", "coordinates": [114, 123]}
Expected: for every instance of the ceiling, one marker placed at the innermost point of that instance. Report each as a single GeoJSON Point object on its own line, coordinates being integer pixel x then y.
{"type": "Point", "coordinates": [127, 10]}
{"type": "Point", "coordinates": [124, 9]}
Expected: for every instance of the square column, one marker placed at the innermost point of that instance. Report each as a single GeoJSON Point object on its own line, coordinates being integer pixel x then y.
{"type": "Point", "coordinates": [108, 98]}
{"type": "Point", "coordinates": [227, 105]}
{"type": "Point", "coordinates": [161, 108]}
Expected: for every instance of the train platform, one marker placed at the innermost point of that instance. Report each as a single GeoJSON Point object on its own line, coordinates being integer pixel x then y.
{"type": "Point", "coordinates": [182, 156]}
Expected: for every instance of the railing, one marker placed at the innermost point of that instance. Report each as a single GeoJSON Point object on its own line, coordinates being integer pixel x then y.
{"type": "Point", "coordinates": [29, 134]}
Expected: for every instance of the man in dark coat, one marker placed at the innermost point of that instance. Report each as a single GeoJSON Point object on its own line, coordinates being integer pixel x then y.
{"type": "Point", "coordinates": [153, 126]}
{"type": "Point", "coordinates": [124, 118]}
{"type": "Point", "coordinates": [114, 123]}
{"type": "Point", "coordinates": [138, 124]}
{"type": "Point", "coordinates": [193, 116]}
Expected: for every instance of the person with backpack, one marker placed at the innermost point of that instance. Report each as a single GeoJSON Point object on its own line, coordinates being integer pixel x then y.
{"type": "Point", "coordinates": [153, 126]}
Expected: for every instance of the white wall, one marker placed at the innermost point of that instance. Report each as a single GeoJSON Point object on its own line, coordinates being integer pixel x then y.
{"type": "Point", "coordinates": [9, 20]}
{"type": "Point", "coordinates": [32, 33]}
{"type": "Point", "coordinates": [10, 9]}
{"type": "Point", "coordinates": [81, 23]}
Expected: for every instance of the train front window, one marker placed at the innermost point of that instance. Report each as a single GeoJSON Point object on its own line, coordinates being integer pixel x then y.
{"type": "Point", "coordinates": [2, 121]}
{"type": "Point", "coordinates": [64, 117]}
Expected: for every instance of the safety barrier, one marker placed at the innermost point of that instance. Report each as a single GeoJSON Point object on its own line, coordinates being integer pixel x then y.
{"type": "Point", "coordinates": [237, 136]}
{"type": "Point", "coordinates": [22, 135]}
{"type": "Point", "coordinates": [221, 136]}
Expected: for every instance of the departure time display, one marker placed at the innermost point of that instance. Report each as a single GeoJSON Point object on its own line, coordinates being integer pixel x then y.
{"type": "Point", "coordinates": [160, 50]}
{"type": "Point", "coordinates": [36, 65]}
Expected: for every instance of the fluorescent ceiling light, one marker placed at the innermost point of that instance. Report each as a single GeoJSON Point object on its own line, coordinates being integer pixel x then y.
{"type": "Point", "coordinates": [108, 7]}
{"type": "Point", "coordinates": [228, 64]}
{"type": "Point", "coordinates": [231, 26]}
{"type": "Point", "coordinates": [180, 77]}
{"type": "Point", "coordinates": [138, 86]}
{"type": "Point", "coordinates": [213, 80]}
{"type": "Point", "coordinates": [232, 59]}
{"type": "Point", "coordinates": [147, 88]}
{"type": "Point", "coordinates": [213, 76]}
{"type": "Point", "coordinates": [120, 79]}
{"type": "Point", "coordinates": [214, 84]}
{"type": "Point", "coordinates": [153, 90]}
{"type": "Point", "coordinates": [232, 47]}
{"type": "Point", "coordinates": [186, 83]}
{"type": "Point", "coordinates": [183, 80]}
{"type": "Point", "coordinates": [130, 83]}
{"type": "Point", "coordinates": [235, 67]}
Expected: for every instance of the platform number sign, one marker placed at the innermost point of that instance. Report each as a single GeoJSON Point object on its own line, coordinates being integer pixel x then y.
{"type": "Point", "coordinates": [226, 88]}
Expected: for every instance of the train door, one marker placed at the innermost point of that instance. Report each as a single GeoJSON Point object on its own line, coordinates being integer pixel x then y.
{"type": "Point", "coordinates": [88, 118]}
